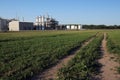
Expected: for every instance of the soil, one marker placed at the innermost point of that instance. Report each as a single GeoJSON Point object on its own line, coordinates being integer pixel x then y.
{"type": "Point", "coordinates": [108, 69]}
{"type": "Point", "coordinates": [51, 73]}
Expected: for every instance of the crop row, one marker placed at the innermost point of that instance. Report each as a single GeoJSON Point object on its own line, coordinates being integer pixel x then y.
{"type": "Point", "coordinates": [24, 57]}
{"type": "Point", "coordinates": [84, 64]}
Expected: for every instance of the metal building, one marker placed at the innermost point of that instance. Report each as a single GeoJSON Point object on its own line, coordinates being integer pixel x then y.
{"type": "Point", "coordinates": [73, 26]}
{"type": "Point", "coordinates": [18, 26]}
{"type": "Point", "coordinates": [3, 24]}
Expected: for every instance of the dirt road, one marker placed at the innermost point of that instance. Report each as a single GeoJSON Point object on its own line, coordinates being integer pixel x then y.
{"type": "Point", "coordinates": [108, 69]}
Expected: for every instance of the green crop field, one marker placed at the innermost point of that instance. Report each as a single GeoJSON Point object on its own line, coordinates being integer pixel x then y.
{"type": "Point", "coordinates": [113, 45]}
{"type": "Point", "coordinates": [114, 41]}
{"type": "Point", "coordinates": [24, 54]}
{"type": "Point", "coordinates": [27, 53]}
{"type": "Point", "coordinates": [84, 64]}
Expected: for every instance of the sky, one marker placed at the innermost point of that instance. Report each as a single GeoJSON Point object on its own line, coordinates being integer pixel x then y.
{"type": "Point", "coordinates": [65, 11]}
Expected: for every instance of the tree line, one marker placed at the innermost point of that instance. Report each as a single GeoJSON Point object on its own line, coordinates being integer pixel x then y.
{"type": "Point", "coordinates": [101, 27]}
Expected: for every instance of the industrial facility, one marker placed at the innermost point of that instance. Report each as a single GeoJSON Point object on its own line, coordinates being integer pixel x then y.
{"type": "Point", "coordinates": [18, 26]}
{"type": "Point", "coordinates": [41, 23]}
{"type": "Point", "coordinates": [45, 23]}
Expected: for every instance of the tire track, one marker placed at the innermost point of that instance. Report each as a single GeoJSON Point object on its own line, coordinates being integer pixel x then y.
{"type": "Point", "coordinates": [51, 73]}
{"type": "Point", "coordinates": [108, 69]}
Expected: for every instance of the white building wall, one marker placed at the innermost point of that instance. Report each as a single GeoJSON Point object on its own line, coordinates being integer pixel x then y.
{"type": "Point", "coordinates": [68, 27]}
{"type": "Point", "coordinates": [72, 27]}
{"type": "Point", "coordinates": [14, 26]}
{"type": "Point", "coordinates": [79, 26]}
{"type": "Point", "coordinates": [40, 20]}
{"type": "Point", "coordinates": [37, 20]}
{"type": "Point", "coordinates": [17, 26]}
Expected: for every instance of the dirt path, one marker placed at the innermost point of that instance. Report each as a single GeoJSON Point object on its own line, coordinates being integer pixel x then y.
{"type": "Point", "coordinates": [108, 70]}
{"type": "Point", "coordinates": [51, 73]}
